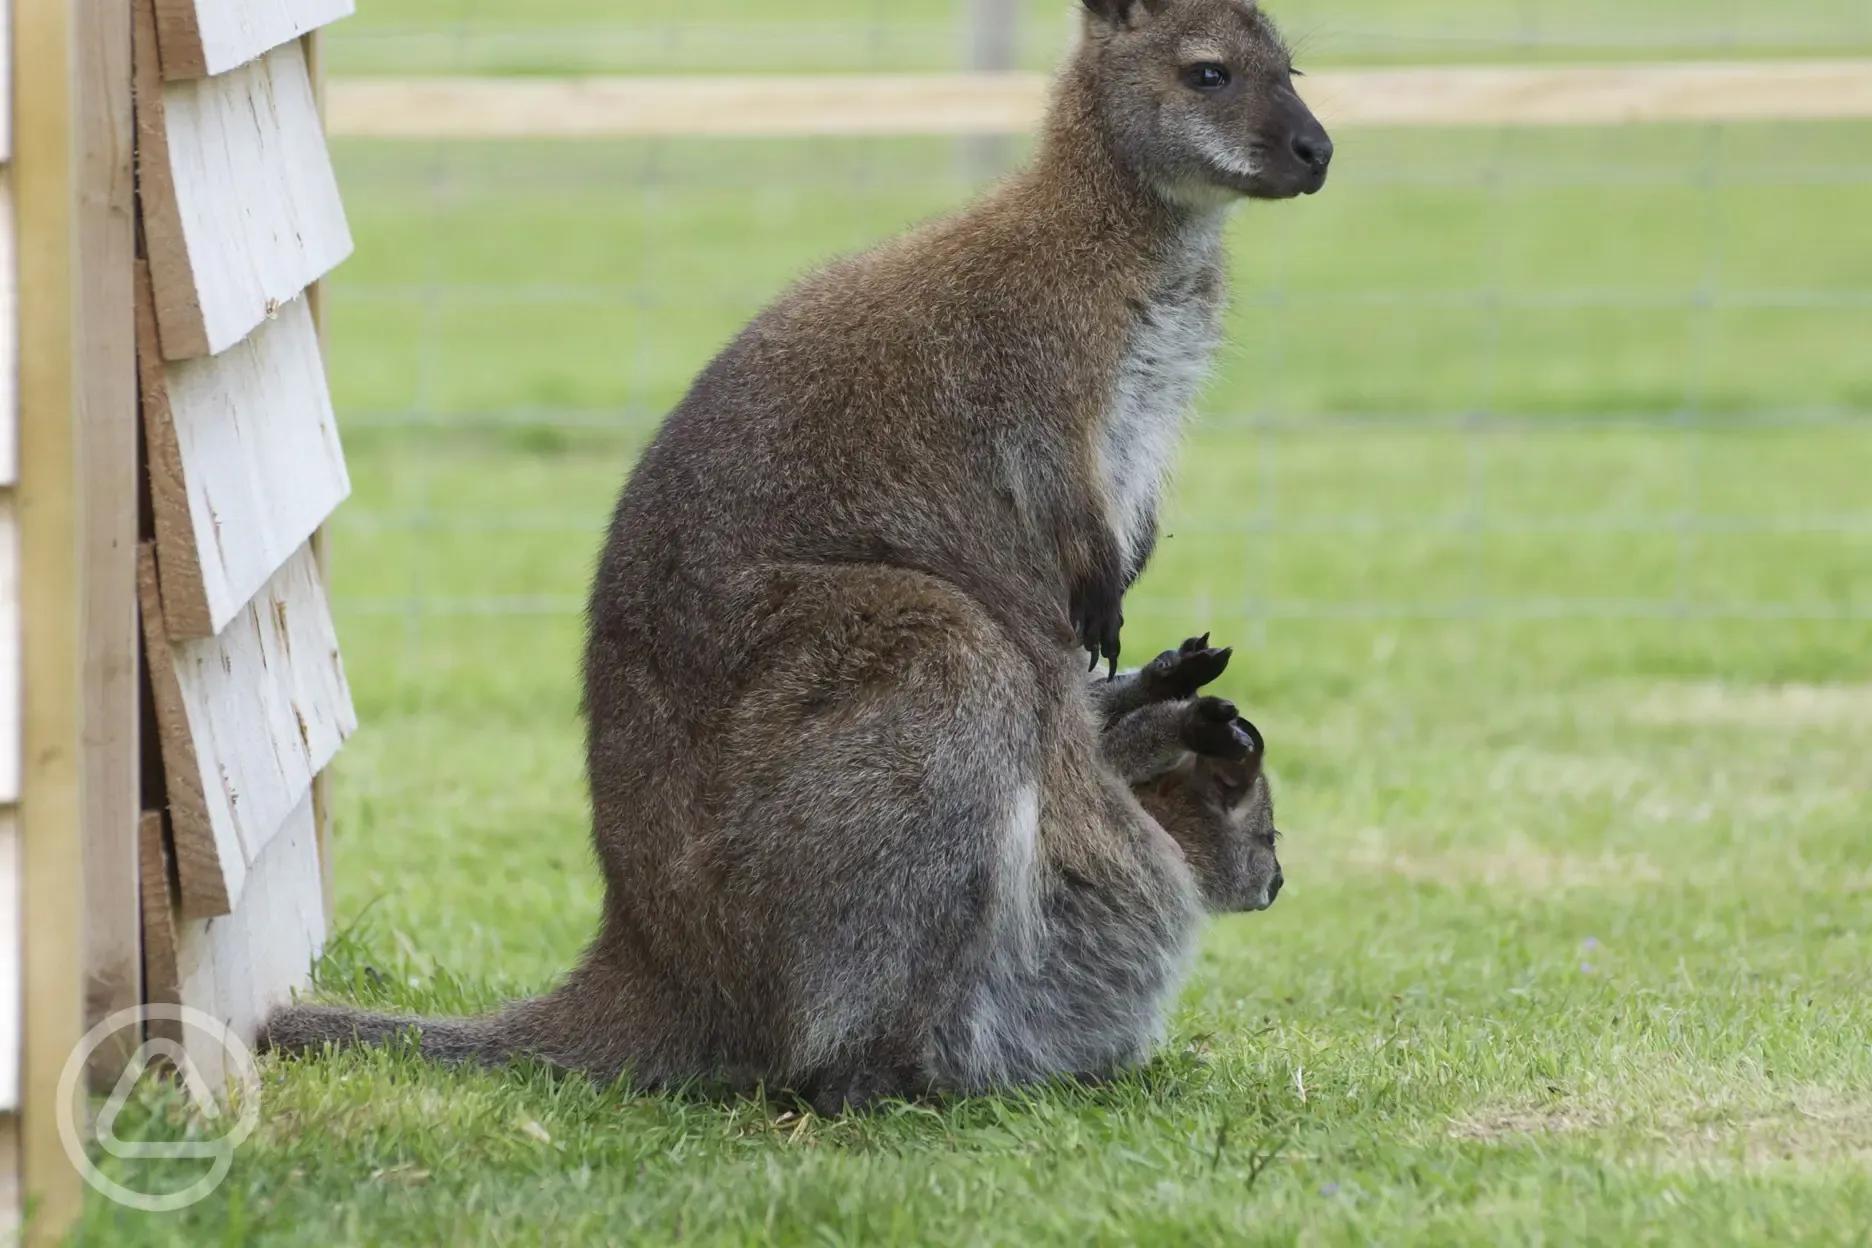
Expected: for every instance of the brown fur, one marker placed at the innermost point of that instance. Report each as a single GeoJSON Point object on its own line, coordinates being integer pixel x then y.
{"type": "Point", "coordinates": [856, 831]}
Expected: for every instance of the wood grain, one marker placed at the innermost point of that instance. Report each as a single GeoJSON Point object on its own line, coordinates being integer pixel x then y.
{"type": "Point", "coordinates": [951, 104]}
{"type": "Point", "coordinates": [201, 37]}
{"type": "Point", "coordinates": [161, 979]}
{"type": "Point", "coordinates": [246, 719]}
{"type": "Point", "coordinates": [210, 871]}
{"type": "Point", "coordinates": [12, 953]}
{"type": "Point", "coordinates": [244, 465]}
{"type": "Point", "coordinates": [237, 967]}
{"type": "Point", "coordinates": [49, 506]}
{"type": "Point", "coordinates": [321, 545]}
{"type": "Point", "coordinates": [11, 961]}
{"type": "Point", "coordinates": [108, 466]}
{"type": "Point", "coordinates": [240, 205]}
{"type": "Point", "coordinates": [10, 660]}
{"type": "Point", "coordinates": [6, 81]}
{"type": "Point", "coordinates": [9, 338]}
{"type": "Point", "coordinates": [9, 1178]}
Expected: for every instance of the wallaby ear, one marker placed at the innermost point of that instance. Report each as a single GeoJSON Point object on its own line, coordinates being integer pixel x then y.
{"type": "Point", "coordinates": [1120, 12]}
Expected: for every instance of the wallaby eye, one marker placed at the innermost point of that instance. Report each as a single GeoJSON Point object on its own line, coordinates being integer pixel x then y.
{"type": "Point", "coordinates": [1207, 76]}
{"type": "Point", "coordinates": [1294, 71]}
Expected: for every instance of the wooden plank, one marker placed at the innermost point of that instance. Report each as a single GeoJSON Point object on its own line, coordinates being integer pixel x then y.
{"type": "Point", "coordinates": [108, 465]}
{"type": "Point", "coordinates": [960, 104]}
{"type": "Point", "coordinates": [10, 1210]}
{"type": "Point", "coordinates": [9, 339]}
{"type": "Point", "coordinates": [246, 719]}
{"type": "Point", "coordinates": [240, 205]}
{"type": "Point", "coordinates": [10, 667]}
{"type": "Point", "coordinates": [6, 81]}
{"type": "Point", "coordinates": [238, 966]}
{"type": "Point", "coordinates": [201, 37]}
{"type": "Point", "coordinates": [161, 978]}
{"type": "Point", "coordinates": [11, 961]}
{"type": "Point", "coordinates": [210, 870]}
{"type": "Point", "coordinates": [49, 505]}
{"type": "Point", "coordinates": [321, 544]}
{"type": "Point", "coordinates": [244, 464]}
{"type": "Point", "coordinates": [11, 951]}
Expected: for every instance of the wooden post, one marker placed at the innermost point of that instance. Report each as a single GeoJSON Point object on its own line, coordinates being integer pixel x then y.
{"type": "Point", "coordinates": [993, 47]}
{"type": "Point", "coordinates": [107, 439]}
{"type": "Point", "coordinates": [45, 174]}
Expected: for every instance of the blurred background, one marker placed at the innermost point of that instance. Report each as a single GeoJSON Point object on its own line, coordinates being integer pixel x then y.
{"type": "Point", "coordinates": [1534, 454]}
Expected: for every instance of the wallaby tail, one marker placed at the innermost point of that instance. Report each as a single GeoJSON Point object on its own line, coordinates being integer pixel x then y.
{"type": "Point", "coordinates": [491, 1038]}
{"type": "Point", "coordinates": [593, 1022]}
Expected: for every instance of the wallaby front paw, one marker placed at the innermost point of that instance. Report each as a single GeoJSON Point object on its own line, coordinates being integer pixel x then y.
{"type": "Point", "coordinates": [1181, 673]}
{"type": "Point", "coordinates": [1098, 619]}
{"type": "Point", "coordinates": [1214, 729]}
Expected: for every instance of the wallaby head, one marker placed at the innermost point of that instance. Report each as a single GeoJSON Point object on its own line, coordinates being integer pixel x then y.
{"type": "Point", "coordinates": [1198, 97]}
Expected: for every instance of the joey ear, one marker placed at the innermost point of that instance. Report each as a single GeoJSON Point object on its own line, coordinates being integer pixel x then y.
{"type": "Point", "coordinates": [1230, 779]}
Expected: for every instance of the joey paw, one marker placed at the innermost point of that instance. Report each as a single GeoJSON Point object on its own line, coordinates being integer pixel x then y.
{"type": "Point", "coordinates": [1214, 729]}
{"type": "Point", "coordinates": [1181, 673]}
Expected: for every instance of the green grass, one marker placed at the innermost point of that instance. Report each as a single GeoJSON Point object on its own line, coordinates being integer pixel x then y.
{"type": "Point", "coordinates": [1532, 491]}
{"type": "Point", "coordinates": [714, 36]}
{"type": "Point", "coordinates": [1641, 271]}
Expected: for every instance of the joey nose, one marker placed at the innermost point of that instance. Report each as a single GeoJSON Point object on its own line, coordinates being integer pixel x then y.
{"type": "Point", "coordinates": [1274, 886]}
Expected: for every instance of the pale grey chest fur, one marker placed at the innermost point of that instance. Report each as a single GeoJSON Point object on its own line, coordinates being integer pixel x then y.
{"type": "Point", "coordinates": [1172, 343]}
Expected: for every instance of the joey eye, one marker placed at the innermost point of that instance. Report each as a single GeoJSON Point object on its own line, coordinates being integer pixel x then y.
{"type": "Point", "coordinates": [1207, 76]}
{"type": "Point", "coordinates": [1295, 72]}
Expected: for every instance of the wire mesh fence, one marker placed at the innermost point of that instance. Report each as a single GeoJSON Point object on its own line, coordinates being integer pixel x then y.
{"type": "Point", "coordinates": [1491, 379]}
{"type": "Point", "coordinates": [599, 36]}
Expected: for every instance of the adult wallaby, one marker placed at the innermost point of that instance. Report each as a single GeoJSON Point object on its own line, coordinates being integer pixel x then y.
{"type": "Point", "coordinates": [856, 831]}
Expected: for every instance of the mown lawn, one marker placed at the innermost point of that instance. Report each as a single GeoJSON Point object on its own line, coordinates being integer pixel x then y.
{"type": "Point", "coordinates": [1533, 493]}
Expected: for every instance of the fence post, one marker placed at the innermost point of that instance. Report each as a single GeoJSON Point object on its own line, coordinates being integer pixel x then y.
{"type": "Point", "coordinates": [993, 48]}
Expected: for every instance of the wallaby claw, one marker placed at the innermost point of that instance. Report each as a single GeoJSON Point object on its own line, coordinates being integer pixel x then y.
{"type": "Point", "coordinates": [1098, 619]}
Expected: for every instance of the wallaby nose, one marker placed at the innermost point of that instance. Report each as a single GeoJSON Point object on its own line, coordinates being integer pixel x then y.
{"type": "Point", "coordinates": [1274, 886]}
{"type": "Point", "coordinates": [1314, 148]}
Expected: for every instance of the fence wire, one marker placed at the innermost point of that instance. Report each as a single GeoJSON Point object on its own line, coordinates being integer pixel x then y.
{"type": "Point", "coordinates": [1497, 376]}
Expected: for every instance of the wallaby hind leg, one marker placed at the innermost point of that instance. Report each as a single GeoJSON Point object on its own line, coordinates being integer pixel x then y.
{"type": "Point", "coordinates": [1086, 994]}
{"type": "Point", "coordinates": [880, 830]}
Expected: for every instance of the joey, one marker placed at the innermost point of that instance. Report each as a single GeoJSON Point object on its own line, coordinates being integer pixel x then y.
{"type": "Point", "coordinates": [1196, 765]}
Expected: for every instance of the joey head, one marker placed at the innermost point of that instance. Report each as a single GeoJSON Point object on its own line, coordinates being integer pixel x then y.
{"type": "Point", "coordinates": [1196, 765]}
{"type": "Point", "coordinates": [857, 831]}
